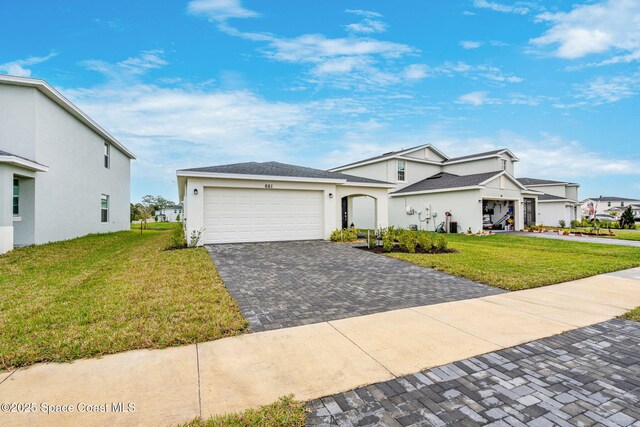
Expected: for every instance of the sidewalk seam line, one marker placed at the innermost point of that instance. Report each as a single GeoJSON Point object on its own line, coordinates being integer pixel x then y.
{"type": "Point", "coordinates": [9, 376]}
{"type": "Point", "coordinates": [199, 391]}
{"type": "Point", "coordinates": [554, 320]}
{"type": "Point", "coordinates": [363, 350]}
{"type": "Point", "coordinates": [455, 327]}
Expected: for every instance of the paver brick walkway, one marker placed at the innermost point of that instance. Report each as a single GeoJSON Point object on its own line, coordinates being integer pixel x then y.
{"type": "Point", "coordinates": [284, 284]}
{"type": "Point", "coordinates": [583, 377]}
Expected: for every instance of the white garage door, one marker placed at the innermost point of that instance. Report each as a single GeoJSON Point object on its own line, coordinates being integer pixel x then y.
{"type": "Point", "coordinates": [261, 215]}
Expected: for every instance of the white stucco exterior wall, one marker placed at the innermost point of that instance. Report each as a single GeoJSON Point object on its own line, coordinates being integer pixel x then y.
{"type": "Point", "coordinates": [464, 206]}
{"type": "Point", "coordinates": [66, 201]}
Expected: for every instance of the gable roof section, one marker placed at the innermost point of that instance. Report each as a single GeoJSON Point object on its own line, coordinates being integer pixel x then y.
{"type": "Point", "coordinates": [533, 182]}
{"type": "Point", "coordinates": [445, 181]}
{"type": "Point", "coordinates": [391, 155]}
{"type": "Point", "coordinates": [470, 157]}
{"type": "Point", "coordinates": [279, 170]}
{"type": "Point", "coordinates": [64, 103]}
{"type": "Point", "coordinates": [6, 157]}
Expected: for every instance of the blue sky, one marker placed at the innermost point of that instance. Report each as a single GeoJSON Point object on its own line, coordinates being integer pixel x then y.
{"type": "Point", "coordinates": [205, 82]}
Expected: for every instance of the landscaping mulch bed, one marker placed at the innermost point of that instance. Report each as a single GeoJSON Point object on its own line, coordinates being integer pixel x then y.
{"type": "Point", "coordinates": [419, 250]}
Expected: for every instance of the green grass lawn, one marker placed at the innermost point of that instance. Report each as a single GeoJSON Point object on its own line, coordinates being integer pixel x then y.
{"type": "Point", "coordinates": [521, 262]}
{"type": "Point", "coordinates": [285, 412]}
{"type": "Point", "coordinates": [108, 293]}
{"type": "Point", "coordinates": [157, 225]}
{"type": "Point", "coordinates": [633, 315]}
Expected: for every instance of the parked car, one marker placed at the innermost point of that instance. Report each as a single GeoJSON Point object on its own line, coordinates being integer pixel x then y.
{"type": "Point", "coordinates": [603, 217]}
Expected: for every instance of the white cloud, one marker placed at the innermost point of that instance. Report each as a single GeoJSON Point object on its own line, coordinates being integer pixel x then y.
{"type": "Point", "coordinates": [370, 23]}
{"type": "Point", "coordinates": [19, 66]}
{"type": "Point", "coordinates": [365, 13]}
{"type": "Point", "coordinates": [473, 98]}
{"type": "Point", "coordinates": [470, 44]}
{"type": "Point", "coordinates": [605, 90]}
{"type": "Point", "coordinates": [518, 8]}
{"type": "Point", "coordinates": [416, 71]}
{"type": "Point", "coordinates": [130, 67]}
{"type": "Point", "coordinates": [612, 25]}
{"type": "Point", "coordinates": [220, 10]}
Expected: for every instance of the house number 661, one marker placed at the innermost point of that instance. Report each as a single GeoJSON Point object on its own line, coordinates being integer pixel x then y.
{"type": "Point", "coordinates": [268, 186]}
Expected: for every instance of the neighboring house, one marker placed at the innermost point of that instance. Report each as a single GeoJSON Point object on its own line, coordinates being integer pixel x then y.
{"type": "Point", "coordinates": [610, 205]}
{"type": "Point", "coordinates": [415, 188]}
{"type": "Point", "coordinates": [61, 174]}
{"type": "Point", "coordinates": [475, 192]}
{"type": "Point", "coordinates": [559, 201]}
{"type": "Point", "coordinates": [169, 214]}
{"type": "Point", "coordinates": [270, 201]}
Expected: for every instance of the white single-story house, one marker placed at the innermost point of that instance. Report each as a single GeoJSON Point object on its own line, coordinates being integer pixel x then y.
{"type": "Point", "coordinates": [270, 201]}
{"type": "Point", "coordinates": [169, 214]}
{"type": "Point", "coordinates": [606, 205]}
{"type": "Point", "coordinates": [417, 188]}
{"type": "Point", "coordinates": [61, 174]}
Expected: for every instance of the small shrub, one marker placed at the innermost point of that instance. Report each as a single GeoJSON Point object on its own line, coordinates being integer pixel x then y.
{"type": "Point", "coordinates": [373, 240]}
{"type": "Point", "coordinates": [178, 218]}
{"type": "Point", "coordinates": [387, 242]}
{"type": "Point", "coordinates": [426, 241]}
{"type": "Point", "coordinates": [441, 243]}
{"type": "Point", "coordinates": [562, 223]}
{"type": "Point", "coordinates": [407, 241]}
{"type": "Point", "coordinates": [177, 238]}
{"type": "Point", "coordinates": [195, 237]}
{"type": "Point", "coordinates": [575, 224]}
{"type": "Point", "coordinates": [344, 235]}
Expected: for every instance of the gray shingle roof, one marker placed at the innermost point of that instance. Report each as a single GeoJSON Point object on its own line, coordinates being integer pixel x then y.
{"type": "Point", "coordinates": [536, 181]}
{"type": "Point", "coordinates": [444, 180]}
{"type": "Point", "coordinates": [473, 156]}
{"type": "Point", "coordinates": [546, 196]}
{"type": "Point", "coordinates": [6, 153]}
{"type": "Point", "coordinates": [381, 156]}
{"type": "Point", "coordinates": [281, 169]}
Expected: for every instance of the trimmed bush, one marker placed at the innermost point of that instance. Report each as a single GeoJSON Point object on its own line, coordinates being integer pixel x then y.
{"type": "Point", "coordinates": [407, 241]}
{"type": "Point", "coordinates": [426, 241]}
{"type": "Point", "coordinates": [344, 235]}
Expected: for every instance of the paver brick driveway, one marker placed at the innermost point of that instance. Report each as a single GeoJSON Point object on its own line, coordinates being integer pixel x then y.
{"type": "Point", "coordinates": [284, 284]}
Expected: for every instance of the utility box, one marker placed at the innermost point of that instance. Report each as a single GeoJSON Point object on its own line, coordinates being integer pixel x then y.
{"type": "Point", "coordinates": [453, 227]}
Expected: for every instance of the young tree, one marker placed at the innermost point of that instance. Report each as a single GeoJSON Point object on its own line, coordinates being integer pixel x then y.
{"type": "Point", "coordinates": [626, 219]}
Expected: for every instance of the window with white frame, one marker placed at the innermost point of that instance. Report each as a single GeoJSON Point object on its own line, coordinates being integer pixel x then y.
{"type": "Point", "coordinates": [107, 155]}
{"type": "Point", "coordinates": [504, 164]}
{"type": "Point", "coordinates": [16, 196]}
{"type": "Point", "coordinates": [104, 208]}
{"type": "Point", "coordinates": [402, 169]}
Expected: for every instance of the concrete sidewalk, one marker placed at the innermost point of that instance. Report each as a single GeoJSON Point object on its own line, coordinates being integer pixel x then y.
{"type": "Point", "coordinates": [176, 384]}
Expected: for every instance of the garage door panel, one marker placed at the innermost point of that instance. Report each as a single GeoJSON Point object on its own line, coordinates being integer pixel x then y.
{"type": "Point", "coordinates": [252, 215]}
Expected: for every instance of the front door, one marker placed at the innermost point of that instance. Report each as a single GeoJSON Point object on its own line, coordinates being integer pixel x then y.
{"type": "Point", "coordinates": [345, 212]}
{"type": "Point", "coordinates": [529, 212]}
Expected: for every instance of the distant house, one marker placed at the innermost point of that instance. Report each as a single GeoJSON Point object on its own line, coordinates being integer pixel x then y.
{"type": "Point", "coordinates": [610, 205]}
{"type": "Point", "coordinates": [61, 174]}
{"type": "Point", "coordinates": [170, 214]}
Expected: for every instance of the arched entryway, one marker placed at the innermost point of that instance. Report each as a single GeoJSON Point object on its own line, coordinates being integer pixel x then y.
{"type": "Point", "coordinates": [360, 211]}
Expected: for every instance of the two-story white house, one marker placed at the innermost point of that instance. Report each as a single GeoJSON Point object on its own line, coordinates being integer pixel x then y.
{"type": "Point", "coordinates": [471, 192]}
{"type": "Point", "coordinates": [169, 214]}
{"type": "Point", "coordinates": [61, 174]}
{"type": "Point", "coordinates": [608, 205]}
